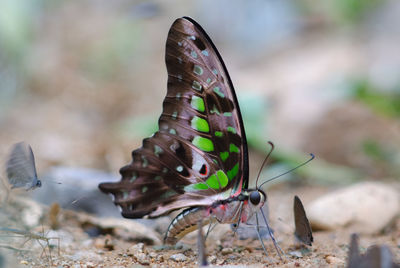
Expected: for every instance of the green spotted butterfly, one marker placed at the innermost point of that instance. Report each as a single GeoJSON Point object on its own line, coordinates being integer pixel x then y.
{"type": "Point", "coordinates": [198, 158]}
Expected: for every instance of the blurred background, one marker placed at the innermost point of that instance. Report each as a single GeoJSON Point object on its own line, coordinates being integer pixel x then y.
{"type": "Point", "coordinates": [83, 82]}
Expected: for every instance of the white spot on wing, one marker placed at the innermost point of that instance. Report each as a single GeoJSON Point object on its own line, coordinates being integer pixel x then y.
{"type": "Point", "coordinates": [198, 161]}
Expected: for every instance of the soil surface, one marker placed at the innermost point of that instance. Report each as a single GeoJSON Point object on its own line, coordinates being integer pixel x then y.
{"type": "Point", "coordinates": [82, 244]}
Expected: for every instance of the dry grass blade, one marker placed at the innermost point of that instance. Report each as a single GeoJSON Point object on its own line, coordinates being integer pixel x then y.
{"type": "Point", "coordinates": [35, 236]}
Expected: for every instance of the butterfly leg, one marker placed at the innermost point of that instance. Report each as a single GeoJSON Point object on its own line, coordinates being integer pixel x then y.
{"type": "Point", "coordinates": [201, 244]}
{"type": "Point", "coordinates": [208, 230]}
{"type": "Point", "coordinates": [259, 236]}
{"type": "Point", "coordinates": [277, 247]}
{"type": "Point", "coordinates": [236, 225]}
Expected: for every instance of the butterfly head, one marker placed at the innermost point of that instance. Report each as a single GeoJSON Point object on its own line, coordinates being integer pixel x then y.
{"type": "Point", "coordinates": [38, 183]}
{"type": "Point", "coordinates": [256, 198]}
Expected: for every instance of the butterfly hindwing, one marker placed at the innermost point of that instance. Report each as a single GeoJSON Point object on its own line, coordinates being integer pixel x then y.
{"type": "Point", "coordinates": [200, 149]}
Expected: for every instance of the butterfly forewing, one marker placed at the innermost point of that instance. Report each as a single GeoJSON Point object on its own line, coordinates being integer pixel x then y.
{"type": "Point", "coordinates": [200, 149]}
{"type": "Point", "coordinates": [20, 167]}
{"type": "Point", "coordinates": [201, 105]}
{"type": "Point", "coordinates": [303, 230]}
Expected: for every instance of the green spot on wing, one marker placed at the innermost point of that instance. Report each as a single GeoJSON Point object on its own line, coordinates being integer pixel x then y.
{"type": "Point", "coordinates": [217, 90]}
{"type": "Point", "coordinates": [195, 187]}
{"type": "Point", "coordinates": [233, 172]}
{"type": "Point", "coordinates": [134, 177]}
{"type": "Point", "coordinates": [212, 181]}
{"type": "Point", "coordinates": [172, 131]}
{"type": "Point", "coordinates": [227, 114]}
{"type": "Point", "coordinates": [157, 150]}
{"type": "Point", "coordinates": [196, 85]}
{"type": "Point", "coordinates": [218, 134]}
{"type": "Point", "coordinates": [198, 70]}
{"type": "Point", "coordinates": [144, 189]}
{"type": "Point", "coordinates": [194, 54]}
{"type": "Point", "coordinates": [224, 155]}
{"type": "Point", "coordinates": [167, 194]}
{"type": "Point", "coordinates": [203, 144]}
{"type": "Point", "coordinates": [215, 71]}
{"type": "Point", "coordinates": [233, 148]}
{"type": "Point", "coordinates": [145, 162]}
{"type": "Point", "coordinates": [197, 103]}
{"type": "Point", "coordinates": [231, 129]}
{"type": "Point", "coordinates": [204, 52]}
{"type": "Point", "coordinates": [208, 81]}
{"type": "Point", "coordinates": [223, 179]}
{"type": "Point", "coordinates": [200, 124]}
{"type": "Point", "coordinates": [214, 110]}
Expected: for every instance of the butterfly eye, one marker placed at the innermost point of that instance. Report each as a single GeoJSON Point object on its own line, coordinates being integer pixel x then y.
{"type": "Point", "coordinates": [203, 171]}
{"type": "Point", "coordinates": [39, 183]}
{"type": "Point", "coordinates": [255, 197]}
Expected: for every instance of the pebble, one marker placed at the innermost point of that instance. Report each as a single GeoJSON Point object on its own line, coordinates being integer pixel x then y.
{"type": "Point", "coordinates": [160, 258]}
{"type": "Point", "coordinates": [226, 251]}
{"type": "Point", "coordinates": [212, 259]}
{"type": "Point", "coordinates": [296, 254]}
{"type": "Point", "coordinates": [333, 260]}
{"type": "Point", "coordinates": [90, 265]}
{"type": "Point", "coordinates": [178, 257]}
{"type": "Point", "coordinates": [84, 255]}
{"type": "Point", "coordinates": [139, 247]}
{"type": "Point", "coordinates": [139, 253]}
{"type": "Point", "coordinates": [366, 207]}
{"type": "Point", "coordinates": [142, 258]}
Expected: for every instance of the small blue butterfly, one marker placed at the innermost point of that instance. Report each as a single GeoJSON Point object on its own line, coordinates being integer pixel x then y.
{"type": "Point", "coordinates": [20, 167]}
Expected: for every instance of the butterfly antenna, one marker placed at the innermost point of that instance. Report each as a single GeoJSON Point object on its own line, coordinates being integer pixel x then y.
{"type": "Point", "coordinates": [77, 200]}
{"type": "Point", "coordinates": [265, 161]}
{"type": "Point", "coordinates": [55, 182]}
{"type": "Point", "coordinates": [290, 170]}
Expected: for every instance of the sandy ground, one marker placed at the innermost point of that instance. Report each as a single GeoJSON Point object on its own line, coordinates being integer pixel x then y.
{"type": "Point", "coordinates": [107, 248]}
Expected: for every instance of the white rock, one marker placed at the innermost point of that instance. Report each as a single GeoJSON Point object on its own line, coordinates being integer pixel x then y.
{"type": "Point", "coordinates": [178, 257]}
{"type": "Point", "coordinates": [124, 228]}
{"type": "Point", "coordinates": [365, 207]}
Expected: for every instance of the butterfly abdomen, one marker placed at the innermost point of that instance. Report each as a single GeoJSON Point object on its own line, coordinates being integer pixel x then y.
{"type": "Point", "coordinates": [223, 211]}
{"type": "Point", "coordinates": [185, 223]}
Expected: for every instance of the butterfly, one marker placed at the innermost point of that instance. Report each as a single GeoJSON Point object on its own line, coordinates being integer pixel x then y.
{"type": "Point", "coordinates": [21, 169]}
{"type": "Point", "coordinates": [303, 230]}
{"type": "Point", "coordinates": [198, 159]}
{"type": "Point", "coordinates": [377, 256]}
